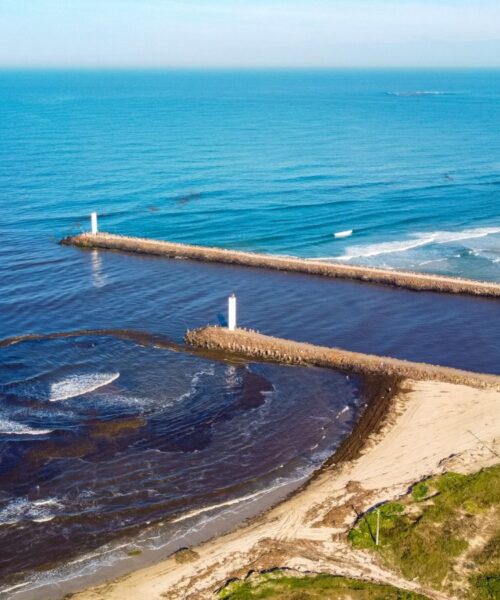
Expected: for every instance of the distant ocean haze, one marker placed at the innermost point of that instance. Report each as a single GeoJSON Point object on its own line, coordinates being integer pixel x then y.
{"type": "Point", "coordinates": [110, 439]}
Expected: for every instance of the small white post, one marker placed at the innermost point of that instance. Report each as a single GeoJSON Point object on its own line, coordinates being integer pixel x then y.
{"type": "Point", "coordinates": [93, 223]}
{"type": "Point", "coordinates": [231, 312]}
{"type": "Point", "coordinates": [377, 536]}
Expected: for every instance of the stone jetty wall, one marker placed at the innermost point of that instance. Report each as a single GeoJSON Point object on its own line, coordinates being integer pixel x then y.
{"type": "Point", "coordinates": [402, 279]}
{"type": "Point", "coordinates": [252, 345]}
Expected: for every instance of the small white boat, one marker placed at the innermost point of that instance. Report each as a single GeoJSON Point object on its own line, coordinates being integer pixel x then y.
{"type": "Point", "coordinates": [343, 234]}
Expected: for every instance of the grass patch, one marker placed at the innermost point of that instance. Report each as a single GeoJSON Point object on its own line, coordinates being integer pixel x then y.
{"type": "Point", "coordinates": [420, 491]}
{"type": "Point", "coordinates": [487, 586]}
{"type": "Point", "coordinates": [286, 587]}
{"type": "Point", "coordinates": [425, 534]}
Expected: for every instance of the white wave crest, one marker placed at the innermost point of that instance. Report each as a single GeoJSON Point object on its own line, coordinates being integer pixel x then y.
{"type": "Point", "coordinates": [416, 240]}
{"type": "Point", "coordinates": [8, 427]}
{"type": "Point", "coordinates": [13, 587]}
{"type": "Point", "coordinates": [22, 509]}
{"type": "Point", "coordinates": [63, 387]}
{"type": "Point", "coordinates": [417, 93]}
{"type": "Point", "coordinates": [77, 385]}
{"type": "Point", "coordinates": [493, 255]}
{"type": "Point", "coordinates": [343, 411]}
{"type": "Point", "coordinates": [343, 234]}
{"type": "Point", "coordinates": [199, 511]}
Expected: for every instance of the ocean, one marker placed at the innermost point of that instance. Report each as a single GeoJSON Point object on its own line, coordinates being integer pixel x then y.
{"type": "Point", "coordinates": [111, 443]}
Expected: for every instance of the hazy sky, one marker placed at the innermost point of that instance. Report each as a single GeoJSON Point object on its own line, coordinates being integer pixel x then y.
{"type": "Point", "coordinates": [246, 33]}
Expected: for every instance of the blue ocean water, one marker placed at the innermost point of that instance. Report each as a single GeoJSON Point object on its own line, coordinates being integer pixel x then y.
{"type": "Point", "coordinates": [269, 161]}
{"type": "Point", "coordinates": [104, 438]}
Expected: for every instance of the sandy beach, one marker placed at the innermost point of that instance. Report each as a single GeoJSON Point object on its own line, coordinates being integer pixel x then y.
{"type": "Point", "coordinates": [430, 427]}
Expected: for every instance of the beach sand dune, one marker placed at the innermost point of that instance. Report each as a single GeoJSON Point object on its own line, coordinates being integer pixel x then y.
{"type": "Point", "coordinates": [430, 427]}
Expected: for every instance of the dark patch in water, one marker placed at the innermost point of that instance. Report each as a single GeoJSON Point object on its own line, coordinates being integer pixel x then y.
{"type": "Point", "coordinates": [115, 427]}
{"type": "Point", "coordinates": [190, 197]}
{"type": "Point", "coordinates": [253, 390]}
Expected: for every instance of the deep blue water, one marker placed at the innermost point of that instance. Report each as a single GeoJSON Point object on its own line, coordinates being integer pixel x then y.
{"type": "Point", "coordinates": [269, 161]}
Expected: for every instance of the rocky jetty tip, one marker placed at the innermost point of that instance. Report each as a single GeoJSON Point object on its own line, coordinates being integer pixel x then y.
{"type": "Point", "coordinates": [249, 344]}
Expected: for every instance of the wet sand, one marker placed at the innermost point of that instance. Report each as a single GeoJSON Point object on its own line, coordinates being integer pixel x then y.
{"type": "Point", "coordinates": [402, 279]}
{"type": "Point", "coordinates": [429, 427]}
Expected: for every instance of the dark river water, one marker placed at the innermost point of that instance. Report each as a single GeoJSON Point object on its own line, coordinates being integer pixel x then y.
{"type": "Point", "coordinates": [106, 440]}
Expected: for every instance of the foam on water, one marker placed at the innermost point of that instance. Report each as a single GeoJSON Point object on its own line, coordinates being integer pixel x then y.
{"type": "Point", "coordinates": [416, 240]}
{"type": "Point", "coordinates": [77, 385]}
{"type": "Point", "coordinates": [418, 93]}
{"type": "Point", "coordinates": [9, 427]}
{"type": "Point", "coordinates": [23, 509]}
{"type": "Point", "coordinates": [231, 502]}
{"type": "Point", "coordinates": [195, 381]}
{"type": "Point", "coordinates": [63, 388]}
{"type": "Point", "coordinates": [343, 234]}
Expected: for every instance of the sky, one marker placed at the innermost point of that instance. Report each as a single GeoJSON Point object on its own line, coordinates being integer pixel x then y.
{"type": "Point", "coordinates": [249, 34]}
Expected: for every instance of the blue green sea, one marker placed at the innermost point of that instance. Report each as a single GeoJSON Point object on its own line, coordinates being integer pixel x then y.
{"type": "Point", "coordinates": [111, 442]}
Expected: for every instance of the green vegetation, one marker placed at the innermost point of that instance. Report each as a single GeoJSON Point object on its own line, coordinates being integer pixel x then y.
{"type": "Point", "coordinates": [135, 552]}
{"type": "Point", "coordinates": [486, 587]}
{"type": "Point", "coordinates": [279, 585]}
{"type": "Point", "coordinates": [420, 491]}
{"type": "Point", "coordinates": [426, 535]}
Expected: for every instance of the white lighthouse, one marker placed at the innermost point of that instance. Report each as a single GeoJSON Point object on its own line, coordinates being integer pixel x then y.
{"type": "Point", "coordinates": [231, 312]}
{"type": "Point", "coordinates": [93, 223]}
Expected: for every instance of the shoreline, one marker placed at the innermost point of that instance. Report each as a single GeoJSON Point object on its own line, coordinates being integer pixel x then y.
{"type": "Point", "coordinates": [401, 279]}
{"type": "Point", "coordinates": [377, 394]}
{"type": "Point", "coordinates": [384, 383]}
{"type": "Point", "coordinates": [421, 434]}
{"type": "Point", "coordinates": [383, 387]}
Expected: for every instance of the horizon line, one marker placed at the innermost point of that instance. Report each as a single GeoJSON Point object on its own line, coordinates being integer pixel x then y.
{"type": "Point", "coordinates": [247, 68]}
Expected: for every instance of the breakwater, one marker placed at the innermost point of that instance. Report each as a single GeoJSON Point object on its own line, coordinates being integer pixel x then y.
{"type": "Point", "coordinates": [253, 345]}
{"type": "Point", "coordinates": [402, 279]}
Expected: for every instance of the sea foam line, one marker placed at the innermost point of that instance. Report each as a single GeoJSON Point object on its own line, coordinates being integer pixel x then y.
{"type": "Point", "coordinates": [417, 240]}
{"type": "Point", "coordinates": [8, 427]}
{"type": "Point", "coordinates": [200, 511]}
{"type": "Point", "coordinates": [22, 509]}
{"type": "Point", "coordinates": [77, 385]}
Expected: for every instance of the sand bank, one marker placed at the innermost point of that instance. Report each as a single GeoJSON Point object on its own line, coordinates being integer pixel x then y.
{"type": "Point", "coordinates": [402, 279]}
{"type": "Point", "coordinates": [252, 345]}
{"type": "Point", "coordinates": [431, 427]}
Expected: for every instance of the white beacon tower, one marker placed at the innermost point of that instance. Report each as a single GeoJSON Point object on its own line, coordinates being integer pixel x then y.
{"type": "Point", "coordinates": [93, 223]}
{"type": "Point", "coordinates": [231, 312]}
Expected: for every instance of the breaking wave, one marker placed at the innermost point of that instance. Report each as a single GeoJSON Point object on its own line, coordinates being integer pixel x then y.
{"type": "Point", "coordinates": [8, 427]}
{"type": "Point", "coordinates": [77, 385]}
{"type": "Point", "coordinates": [416, 240]}
{"type": "Point", "coordinates": [22, 509]}
{"type": "Point", "coordinates": [63, 388]}
{"type": "Point", "coordinates": [416, 93]}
